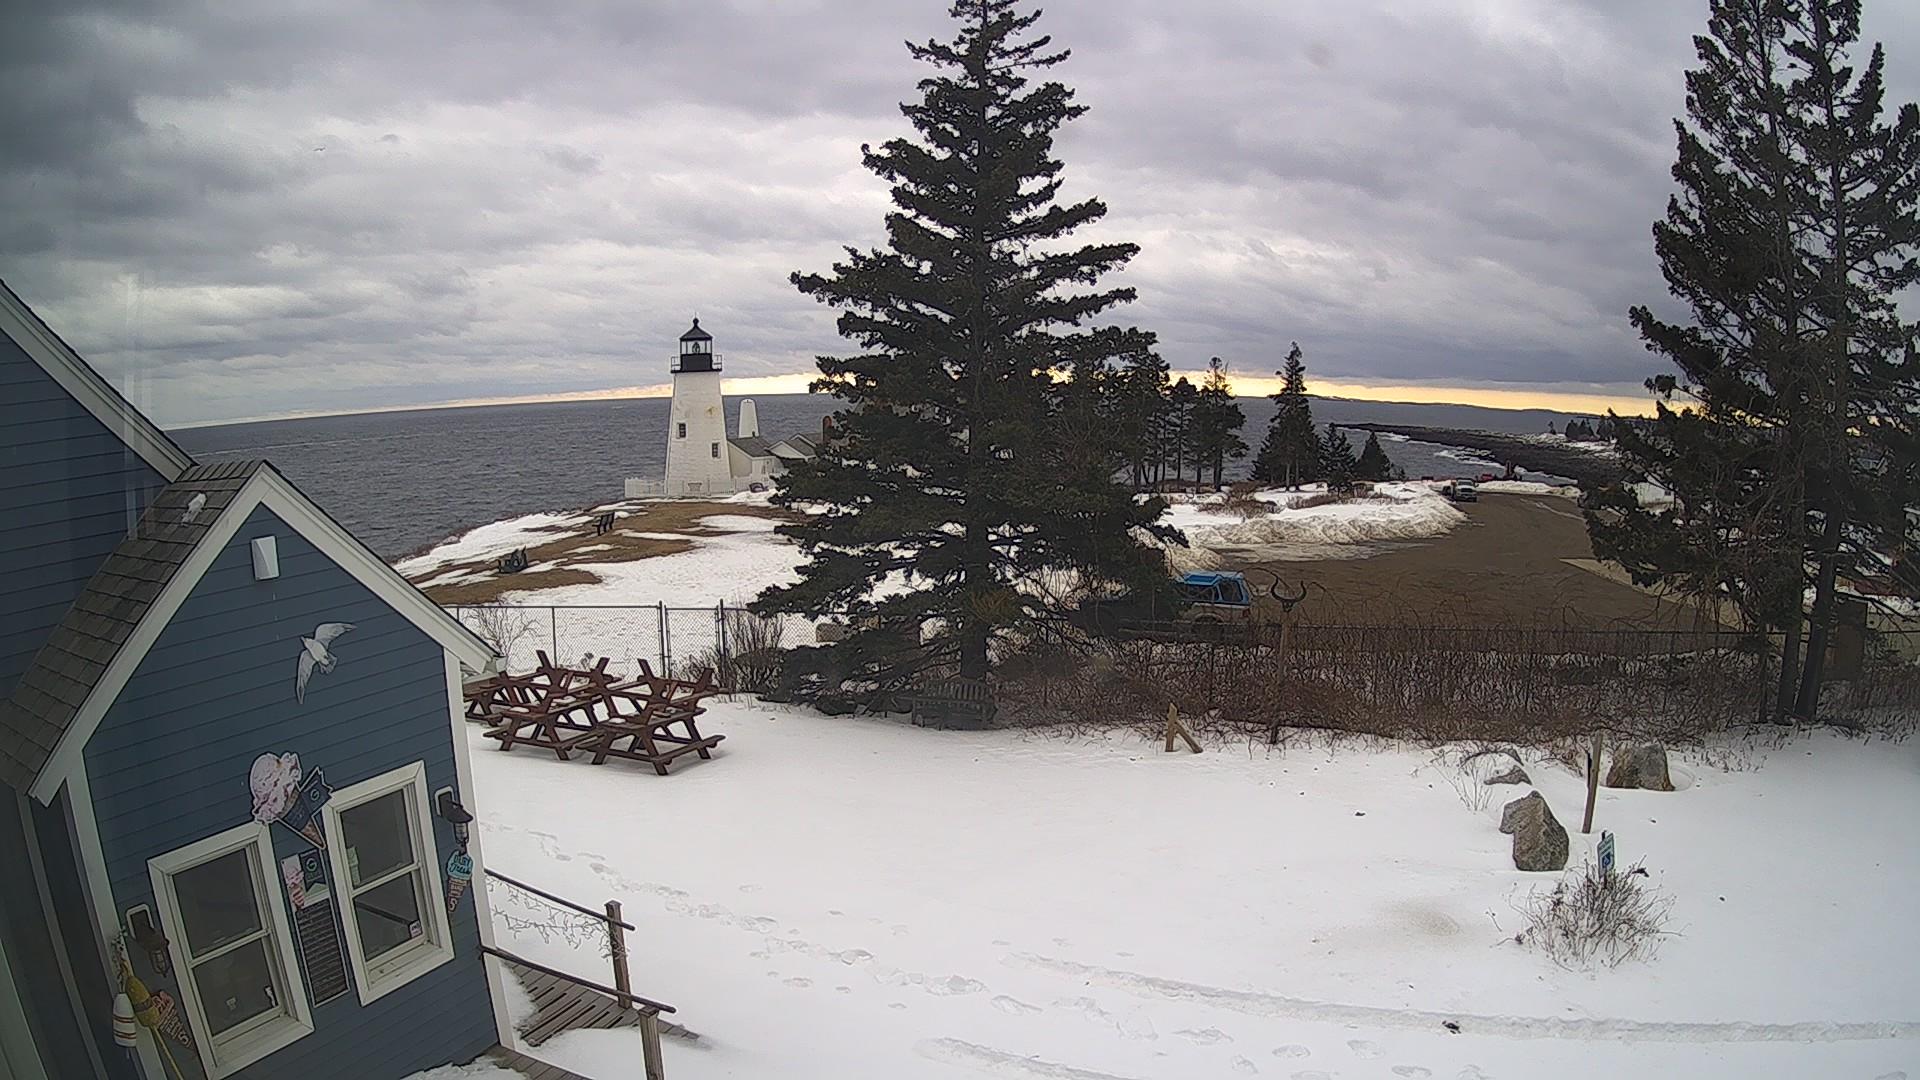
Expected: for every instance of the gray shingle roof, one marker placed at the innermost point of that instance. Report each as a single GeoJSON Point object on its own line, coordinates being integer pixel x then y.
{"type": "Point", "coordinates": [105, 614]}
{"type": "Point", "coordinates": [753, 446]}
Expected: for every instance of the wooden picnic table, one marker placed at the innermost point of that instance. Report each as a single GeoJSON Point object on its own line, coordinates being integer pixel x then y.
{"type": "Point", "coordinates": [566, 709]}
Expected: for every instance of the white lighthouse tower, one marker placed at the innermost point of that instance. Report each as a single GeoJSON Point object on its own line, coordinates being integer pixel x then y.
{"type": "Point", "coordinates": [697, 459]}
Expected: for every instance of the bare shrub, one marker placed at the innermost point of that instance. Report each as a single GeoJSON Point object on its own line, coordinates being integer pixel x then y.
{"type": "Point", "coordinates": [503, 627]}
{"type": "Point", "coordinates": [1588, 919]}
{"type": "Point", "coordinates": [1240, 500]}
{"type": "Point", "coordinates": [1324, 498]}
{"type": "Point", "coordinates": [746, 658]}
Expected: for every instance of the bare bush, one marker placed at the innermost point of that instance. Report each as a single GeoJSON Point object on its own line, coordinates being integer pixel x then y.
{"type": "Point", "coordinates": [747, 655]}
{"type": "Point", "coordinates": [1589, 919]}
{"type": "Point", "coordinates": [503, 627]}
{"type": "Point", "coordinates": [1240, 500]}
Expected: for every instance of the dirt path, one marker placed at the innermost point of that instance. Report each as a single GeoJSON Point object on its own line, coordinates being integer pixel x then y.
{"type": "Point", "coordinates": [1505, 565]}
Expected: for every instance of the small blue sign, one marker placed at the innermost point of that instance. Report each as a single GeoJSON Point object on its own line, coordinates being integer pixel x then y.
{"type": "Point", "coordinates": [1606, 853]}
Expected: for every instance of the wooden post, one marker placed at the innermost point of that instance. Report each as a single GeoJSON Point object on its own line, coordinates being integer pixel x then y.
{"type": "Point", "coordinates": [1175, 727]}
{"type": "Point", "coordinates": [617, 942]}
{"type": "Point", "coordinates": [650, 1045]}
{"type": "Point", "coordinates": [1593, 781]}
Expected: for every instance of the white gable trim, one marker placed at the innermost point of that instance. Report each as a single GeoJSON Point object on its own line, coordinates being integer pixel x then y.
{"type": "Point", "coordinates": [269, 489]}
{"type": "Point", "coordinates": [482, 906]}
{"type": "Point", "coordinates": [94, 393]}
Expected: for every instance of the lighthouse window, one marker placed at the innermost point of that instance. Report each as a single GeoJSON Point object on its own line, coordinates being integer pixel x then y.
{"type": "Point", "coordinates": [680, 431]}
{"type": "Point", "coordinates": [716, 449]}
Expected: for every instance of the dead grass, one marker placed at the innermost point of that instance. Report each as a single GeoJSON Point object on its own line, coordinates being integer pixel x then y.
{"type": "Point", "coordinates": [622, 545]}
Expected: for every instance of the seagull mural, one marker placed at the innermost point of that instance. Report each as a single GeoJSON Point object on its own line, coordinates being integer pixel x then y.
{"type": "Point", "coordinates": [194, 506]}
{"type": "Point", "coordinates": [315, 655]}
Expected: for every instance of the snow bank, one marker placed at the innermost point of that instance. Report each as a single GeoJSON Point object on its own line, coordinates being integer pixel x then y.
{"type": "Point", "coordinates": [1395, 512]}
{"type": "Point", "coordinates": [1528, 487]}
{"type": "Point", "coordinates": [479, 1070]}
{"type": "Point", "coordinates": [1001, 905]}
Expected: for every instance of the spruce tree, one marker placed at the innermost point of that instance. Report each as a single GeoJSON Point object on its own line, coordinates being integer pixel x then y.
{"type": "Point", "coordinates": [1730, 452]}
{"type": "Point", "coordinates": [952, 480]}
{"type": "Point", "coordinates": [1373, 463]}
{"type": "Point", "coordinates": [1336, 459]}
{"type": "Point", "coordinates": [1217, 420]}
{"type": "Point", "coordinates": [1290, 454]}
{"type": "Point", "coordinates": [1139, 403]}
{"type": "Point", "coordinates": [1862, 233]}
{"type": "Point", "coordinates": [1176, 432]}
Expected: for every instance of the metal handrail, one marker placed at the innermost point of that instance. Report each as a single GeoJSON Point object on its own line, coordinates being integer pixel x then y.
{"type": "Point", "coordinates": [624, 997]}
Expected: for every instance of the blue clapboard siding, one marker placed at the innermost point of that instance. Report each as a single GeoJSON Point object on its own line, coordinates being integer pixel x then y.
{"type": "Point", "coordinates": [169, 766]}
{"type": "Point", "coordinates": [70, 490]}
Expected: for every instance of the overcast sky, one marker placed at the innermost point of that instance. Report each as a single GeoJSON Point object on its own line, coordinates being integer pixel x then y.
{"type": "Point", "coordinates": [237, 211]}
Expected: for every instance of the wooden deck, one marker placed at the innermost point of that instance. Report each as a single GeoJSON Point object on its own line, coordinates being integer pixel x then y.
{"type": "Point", "coordinates": [567, 1006]}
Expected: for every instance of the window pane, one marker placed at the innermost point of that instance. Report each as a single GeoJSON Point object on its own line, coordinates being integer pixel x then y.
{"type": "Point", "coordinates": [217, 901]}
{"type": "Point", "coordinates": [389, 916]}
{"type": "Point", "coordinates": [236, 987]}
{"type": "Point", "coordinates": [377, 836]}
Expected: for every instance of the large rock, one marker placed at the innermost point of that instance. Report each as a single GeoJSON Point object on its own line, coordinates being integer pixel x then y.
{"type": "Point", "coordinates": [1514, 775]}
{"type": "Point", "coordinates": [1643, 766]}
{"type": "Point", "coordinates": [1539, 840]}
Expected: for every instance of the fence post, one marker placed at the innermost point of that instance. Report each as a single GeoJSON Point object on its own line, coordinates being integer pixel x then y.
{"type": "Point", "coordinates": [650, 1045]}
{"type": "Point", "coordinates": [666, 644]}
{"type": "Point", "coordinates": [617, 946]}
{"type": "Point", "coordinates": [553, 633]}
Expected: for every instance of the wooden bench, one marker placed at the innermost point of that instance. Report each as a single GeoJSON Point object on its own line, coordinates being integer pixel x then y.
{"type": "Point", "coordinates": [603, 524]}
{"type": "Point", "coordinates": [513, 563]}
{"type": "Point", "coordinates": [957, 704]}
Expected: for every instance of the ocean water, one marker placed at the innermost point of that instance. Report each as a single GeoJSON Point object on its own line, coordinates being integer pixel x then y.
{"type": "Point", "coordinates": [403, 480]}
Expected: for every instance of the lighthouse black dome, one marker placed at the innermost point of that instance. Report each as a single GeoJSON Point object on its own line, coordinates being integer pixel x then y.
{"type": "Point", "coordinates": [696, 334]}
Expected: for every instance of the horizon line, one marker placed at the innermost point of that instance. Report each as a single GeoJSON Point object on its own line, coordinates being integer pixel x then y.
{"type": "Point", "coordinates": [1597, 401]}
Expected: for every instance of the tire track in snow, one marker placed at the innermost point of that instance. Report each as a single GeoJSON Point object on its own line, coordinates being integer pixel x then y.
{"type": "Point", "coordinates": [1261, 1003]}
{"type": "Point", "coordinates": [1002, 1063]}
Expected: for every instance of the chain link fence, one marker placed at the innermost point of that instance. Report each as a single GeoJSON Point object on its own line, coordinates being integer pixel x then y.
{"type": "Point", "coordinates": [682, 642]}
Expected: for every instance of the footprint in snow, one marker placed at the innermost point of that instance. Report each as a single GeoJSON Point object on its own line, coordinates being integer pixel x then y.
{"type": "Point", "coordinates": [896, 1004]}
{"type": "Point", "coordinates": [1205, 1036]}
{"type": "Point", "coordinates": [832, 911]}
{"type": "Point", "coordinates": [1471, 1072]}
{"type": "Point", "coordinates": [1897, 1074]}
{"type": "Point", "coordinates": [749, 888]}
{"type": "Point", "coordinates": [1312, 1074]}
{"type": "Point", "coordinates": [1363, 1048]}
{"type": "Point", "coordinates": [1244, 1067]}
{"type": "Point", "coordinates": [1014, 1006]}
{"type": "Point", "coordinates": [843, 989]}
{"type": "Point", "coordinates": [1292, 1050]}
{"type": "Point", "coordinates": [799, 982]}
{"type": "Point", "coordinates": [1416, 1072]}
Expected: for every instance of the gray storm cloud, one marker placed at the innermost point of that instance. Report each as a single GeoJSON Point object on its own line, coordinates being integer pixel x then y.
{"type": "Point", "coordinates": [237, 212]}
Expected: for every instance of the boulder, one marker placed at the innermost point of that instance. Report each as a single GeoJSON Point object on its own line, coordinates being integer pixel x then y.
{"type": "Point", "coordinates": [1643, 766]}
{"type": "Point", "coordinates": [1539, 840]}
{"type": "Point", "coordinates": [1514, 775]}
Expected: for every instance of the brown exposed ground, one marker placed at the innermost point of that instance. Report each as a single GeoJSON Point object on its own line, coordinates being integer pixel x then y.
{"type": "Point", "coordinates": [1506, 565]}
{"type": "Point", "coordinates": [623, 544]}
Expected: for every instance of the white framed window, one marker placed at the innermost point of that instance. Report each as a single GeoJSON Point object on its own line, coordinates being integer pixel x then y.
{"type": "Point", "coordinates": [232, 951]}
{"type": "Point", "coordinates": [386, 872]}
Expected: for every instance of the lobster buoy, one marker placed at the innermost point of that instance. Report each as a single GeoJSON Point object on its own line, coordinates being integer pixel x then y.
{"type": "Point", "coordinates": [145, 1010]}
{"type": "Point", "coordinates": [125, 1031]}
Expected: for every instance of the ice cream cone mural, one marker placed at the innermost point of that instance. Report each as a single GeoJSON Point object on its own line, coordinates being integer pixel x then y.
{"type": "Point", "coordinates": [283, 793]}
{"type": "Point", "coordinates": [459, 875]}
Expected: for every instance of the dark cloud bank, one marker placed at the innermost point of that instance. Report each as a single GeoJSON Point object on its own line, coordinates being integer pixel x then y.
{"type": "Point", "coordinates": [237, 211]}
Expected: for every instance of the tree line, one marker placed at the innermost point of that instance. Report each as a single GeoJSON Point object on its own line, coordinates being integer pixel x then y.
{"type": "Point", "coordinates": [998, 438]}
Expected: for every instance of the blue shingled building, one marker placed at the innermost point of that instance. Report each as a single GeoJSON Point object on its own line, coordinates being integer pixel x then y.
{"type": "Point", "coordinates": [238, 781]}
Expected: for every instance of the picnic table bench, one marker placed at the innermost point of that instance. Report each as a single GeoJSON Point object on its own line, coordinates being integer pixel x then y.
{"type": "Point", "coordinates": [586, 709]}
{"type": "Point", "coordinates": [961, 704]}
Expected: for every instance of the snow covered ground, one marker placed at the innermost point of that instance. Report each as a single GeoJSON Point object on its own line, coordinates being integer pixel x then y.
{"type": "Point", "coordinates": [851, 898]}
{"type": "Point", "coordinates": [1353, 529]}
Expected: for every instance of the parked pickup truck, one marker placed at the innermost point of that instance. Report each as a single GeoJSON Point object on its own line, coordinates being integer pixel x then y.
{"type": "Point", "coordinates": [1461, 491]}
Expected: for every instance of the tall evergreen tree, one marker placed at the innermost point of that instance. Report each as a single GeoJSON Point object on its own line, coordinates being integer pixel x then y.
{"type": "Point", "coordinates": [1336, 459]}
{"type": "Point", "coordinates": [1290, 454]}
{"type": "Point", "coordinates": [1139, 402]}
{"type": "Point", "coordinates": [1373, 463]}
{"type": "Point", "coordinates": [1731, 453]}
{"type": "Point", "coordinates": [1862, 232]}
{"type": "Point", "coordinates": [1217, 420]}
{"type": "Point", "coordinates": [1176, 431]}
{"type": "Point", "coordinates": [950, 473]}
